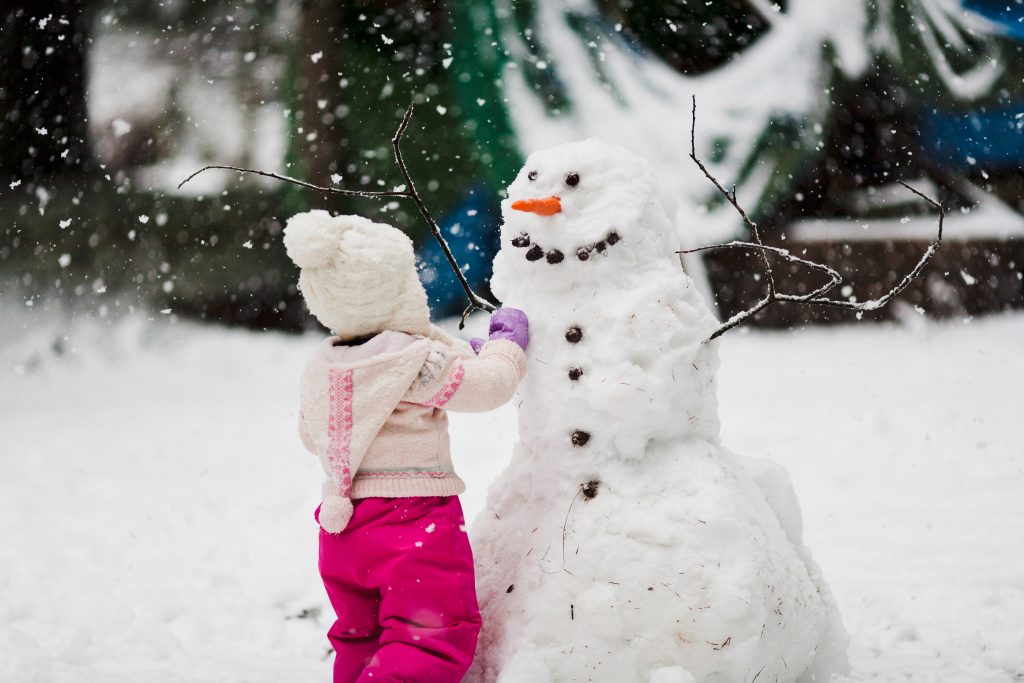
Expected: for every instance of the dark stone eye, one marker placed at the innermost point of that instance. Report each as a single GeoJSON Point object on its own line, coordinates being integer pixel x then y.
{"type": "Point", "coordinates": [532, 175]}
{"type": "Point", "coordinates": [573, 179]}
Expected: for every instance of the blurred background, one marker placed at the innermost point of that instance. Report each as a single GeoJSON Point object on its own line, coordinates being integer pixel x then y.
{"type": "Point", "coordinates": [812, 108]}
{"type": "Point", "coordinates": [155, 502]}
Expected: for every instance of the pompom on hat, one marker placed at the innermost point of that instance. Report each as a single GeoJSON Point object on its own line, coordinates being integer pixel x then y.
{"type": "Point", "coordinates": [358, 277]}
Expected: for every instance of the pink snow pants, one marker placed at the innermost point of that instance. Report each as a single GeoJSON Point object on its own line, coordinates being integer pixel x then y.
{"type": "Point", "coordinates": [400, 579]}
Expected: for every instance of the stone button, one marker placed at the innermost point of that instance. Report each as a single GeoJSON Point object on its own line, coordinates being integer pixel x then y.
{"type": "Point", "coordinates": [580, 438]}
{"type": "Point", "coordinates": [575, 373]}
{"type": "Point", "coordinates": [574, 334]}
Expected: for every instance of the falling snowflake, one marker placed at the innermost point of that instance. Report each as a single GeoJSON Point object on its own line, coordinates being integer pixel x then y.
{"type": "Point", "coordinates": [120, 127]}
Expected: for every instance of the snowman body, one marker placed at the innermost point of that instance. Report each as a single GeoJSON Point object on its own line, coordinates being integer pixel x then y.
{"type": "Point", "coordinates": [623, 543]}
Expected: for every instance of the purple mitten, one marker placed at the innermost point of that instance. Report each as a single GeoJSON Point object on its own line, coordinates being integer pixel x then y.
{"type": "Point", "coordinates": [476, 343]}
{"type": "Point", "coordinates": [510, 324]}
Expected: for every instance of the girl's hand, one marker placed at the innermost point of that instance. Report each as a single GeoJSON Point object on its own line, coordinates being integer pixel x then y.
{"type": "Point", "coordinates": [506, 323]}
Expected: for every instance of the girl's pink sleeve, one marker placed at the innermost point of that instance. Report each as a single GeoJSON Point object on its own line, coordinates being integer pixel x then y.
{"type": "Point", "coordinates": [472, 385]}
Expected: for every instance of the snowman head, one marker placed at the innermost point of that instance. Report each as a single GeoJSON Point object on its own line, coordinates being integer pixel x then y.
{"type": "Point", "coordinates": [583, 202]}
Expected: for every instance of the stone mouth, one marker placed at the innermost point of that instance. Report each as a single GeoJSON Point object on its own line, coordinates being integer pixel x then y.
{"type": "Point", "coordinates": [536, 252]}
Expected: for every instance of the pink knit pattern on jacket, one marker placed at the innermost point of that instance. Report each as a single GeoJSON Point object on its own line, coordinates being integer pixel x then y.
{"type": "Point", "coordinates": [406, 473]}
{"type": "Point", "coordinates": [451, 385]}
{"type": "Point", "coordinates": [339, 428]}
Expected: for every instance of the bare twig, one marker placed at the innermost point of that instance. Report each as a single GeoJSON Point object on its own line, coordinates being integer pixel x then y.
{"type": "Point", "coordinates": [295, 181]}
{"type": "Point", "coordinates": [409, 192]}
{"type": "Point", "coordinates": [565, 524]}
{"type": "Point", "coordinates": [730, 197]}
{"type": "Point", "coordinates": [475, 301]}
{"type": "Point", "coordinates": [817, 297]}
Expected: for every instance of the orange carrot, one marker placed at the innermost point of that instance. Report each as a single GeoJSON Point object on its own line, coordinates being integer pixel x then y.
{"type": "Point", "coordinates": [547, 206]}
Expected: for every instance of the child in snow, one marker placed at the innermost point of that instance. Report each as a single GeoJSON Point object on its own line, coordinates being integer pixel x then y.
{"type": "Point", "coordinates": [394, 555]}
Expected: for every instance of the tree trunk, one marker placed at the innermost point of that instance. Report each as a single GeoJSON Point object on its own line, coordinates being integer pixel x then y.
{"type": "Point", "coordinates": [43, 129]}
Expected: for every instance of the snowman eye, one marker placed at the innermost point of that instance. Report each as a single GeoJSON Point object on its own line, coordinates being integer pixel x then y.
{"type": "Point", "coordinates": [532, 175]}
{"type": "Point", "coordinates": [573, 179]}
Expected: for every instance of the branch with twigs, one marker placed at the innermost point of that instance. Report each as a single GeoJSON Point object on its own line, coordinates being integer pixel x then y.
{"type": "Point", "coordinates": [817, 297]}
{"type": "Point", "coordinates": [408, 191]}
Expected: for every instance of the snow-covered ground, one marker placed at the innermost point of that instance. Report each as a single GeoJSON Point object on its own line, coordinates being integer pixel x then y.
{"type": "Point", "coordinates": [156, 505]}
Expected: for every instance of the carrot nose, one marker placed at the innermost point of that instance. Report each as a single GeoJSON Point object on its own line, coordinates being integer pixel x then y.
{"type": "Point", "coordinates": [546, 206]}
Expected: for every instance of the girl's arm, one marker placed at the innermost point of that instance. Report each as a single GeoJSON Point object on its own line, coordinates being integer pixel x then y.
{"type": "Point", "coordinates": [476, 383]}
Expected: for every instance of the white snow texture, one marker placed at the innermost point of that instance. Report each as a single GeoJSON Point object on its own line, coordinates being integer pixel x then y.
{"type": "Point", "coordinates": [188, 554]}
{"type": "Point", "coordinates": [649, 552]}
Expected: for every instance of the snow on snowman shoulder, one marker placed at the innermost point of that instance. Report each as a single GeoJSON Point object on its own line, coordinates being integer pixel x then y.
{"type": "Point", "coordinates": [623, 542]}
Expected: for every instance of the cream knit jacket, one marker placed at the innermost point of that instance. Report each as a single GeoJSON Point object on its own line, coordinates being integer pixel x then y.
{"type": "Point", "coordinates": [375, 413]}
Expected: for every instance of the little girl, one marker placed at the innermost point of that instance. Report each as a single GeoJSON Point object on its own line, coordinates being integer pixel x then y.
{"type": "Point", "coordinates": [394, 555]}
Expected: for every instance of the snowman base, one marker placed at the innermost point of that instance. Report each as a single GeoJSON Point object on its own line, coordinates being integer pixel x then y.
{"type": "Point", "coordinates": [705, 580]}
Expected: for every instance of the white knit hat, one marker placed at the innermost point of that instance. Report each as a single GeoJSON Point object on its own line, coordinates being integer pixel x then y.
{"type": "Point", "coordinates": [358, 277]}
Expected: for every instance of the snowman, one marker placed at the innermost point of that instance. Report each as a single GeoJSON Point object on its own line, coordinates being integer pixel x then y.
{"type": "Point", "coordinates": [623, 542]}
